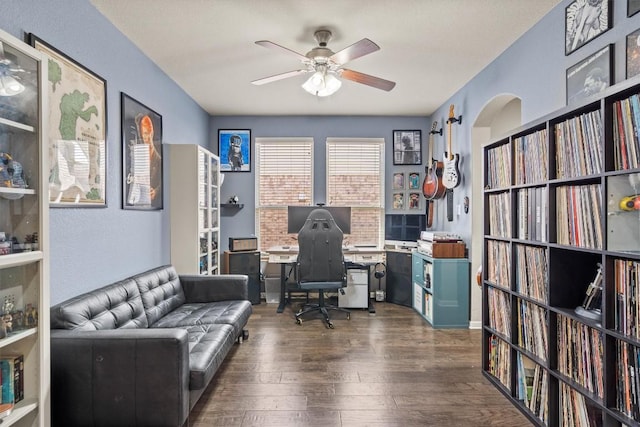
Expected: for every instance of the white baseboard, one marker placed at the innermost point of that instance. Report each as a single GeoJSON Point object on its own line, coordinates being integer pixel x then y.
{"type": "Point", "coordinates": [475, 324]}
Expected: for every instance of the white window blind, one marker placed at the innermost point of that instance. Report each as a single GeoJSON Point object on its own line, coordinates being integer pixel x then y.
{"type": "Point", "coordinates": [284, 176]}
{"type": "Point", "coordinates": [355, 177]}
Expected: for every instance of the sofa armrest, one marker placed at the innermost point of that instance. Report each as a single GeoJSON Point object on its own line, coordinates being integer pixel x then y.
{"type": "Point", "coordinates": [223, 287]}
{"type": "Point", "coordinates": [120, 377]}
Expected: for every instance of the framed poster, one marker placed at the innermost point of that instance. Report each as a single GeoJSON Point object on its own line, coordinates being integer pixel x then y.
{"type": "Point", "coordinates": [584, 21]}
{"type": "Point", "coordinates": [633, 54]}
{"type": "Point", "coordinates": [407, 147]}
{"type": "Point", "coordinates": [633, 7]}
{"type": "Point", "coordinates": [77, 131]}
{"type": "Point", "coordinates": [590, 76]}
{"type": "Point", "coordinates": [414, 200]}
{"type": "Point", "coordinates": [141, 156]}
{"type": "Point", "coordinates": [398, 181]}
{"type": "Point", "coordinates": [234, 147]}
{"type": "Point", "coordinates": [398, 201]}
{"type": "Point", "coordinates": [414, 180]}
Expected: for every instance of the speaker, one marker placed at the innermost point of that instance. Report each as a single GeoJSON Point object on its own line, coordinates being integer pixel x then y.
{"type": "Point", "coordinates": [245, 263]}
{"type": "Point", "coordinates": [399, 289]}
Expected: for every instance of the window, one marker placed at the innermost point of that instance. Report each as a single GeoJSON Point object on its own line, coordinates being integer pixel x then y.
{"type": "Point", "coordinates": [355, 177]}
{"type": "Point", "coordinates": [284, 176]}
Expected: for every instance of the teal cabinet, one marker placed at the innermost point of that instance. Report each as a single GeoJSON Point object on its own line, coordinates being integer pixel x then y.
{"type": "Point", "coordinates": [441, 290]}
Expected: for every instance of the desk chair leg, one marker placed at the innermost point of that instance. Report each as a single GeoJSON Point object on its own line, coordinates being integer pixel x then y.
{"type": "Point", "coordinates": [322, 308]}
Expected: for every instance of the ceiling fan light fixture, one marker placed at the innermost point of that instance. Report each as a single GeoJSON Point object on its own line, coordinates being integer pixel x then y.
{"type": "Point", "coordinates": [322, 84]}
{"type": "Point", "coordinates": [9, 86]}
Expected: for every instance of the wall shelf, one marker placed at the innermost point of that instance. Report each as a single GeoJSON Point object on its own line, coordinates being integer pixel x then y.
{"type": "Point", "coordinates": [232, 205]}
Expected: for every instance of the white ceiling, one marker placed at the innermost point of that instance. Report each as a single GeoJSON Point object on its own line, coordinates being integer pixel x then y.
{"type": "Point", "coordinates": [430, 48]}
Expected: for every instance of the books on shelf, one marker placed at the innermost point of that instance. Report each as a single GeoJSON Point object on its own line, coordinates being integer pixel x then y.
{"type": "Point", "coordinates": [500, 215]}
{"type": "Point", "coordinates": [533, 387]}
{"type": "Point", "coordinates": [626, 144]}
{"type": "Point", "coordinates": [499, 166]}
{"type": "Point", "coordinates": [628, 375]}
{"type": "Point", "coordinates": [580, 354]}
{"type": "Point", "coordinates": [498, 263]}
{"type": "Point", "coordinates": [531, 157]}
{"type": "Point", "coordinates": [499, 360]}
{"type": "Point", "coordinates": [578, 215]}
{"type": "Point", "coordinates": [579, 145]}
{"type": "Point", "coordinates": [532, 333]}
{"type": "Point", "coordinates": [531, 272]}
{"type": "Point", "coordinates": [627, 302]}
{"type": "Point", "coordinates": [532, 213]}
{"type": "Point", "coordinates": [11, 382]}
{"type": "Point", "coordinates": [499, 310]}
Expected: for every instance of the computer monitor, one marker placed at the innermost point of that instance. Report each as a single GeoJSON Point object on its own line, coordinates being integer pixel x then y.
{"type": "Point", "coordinates": [297, 215]}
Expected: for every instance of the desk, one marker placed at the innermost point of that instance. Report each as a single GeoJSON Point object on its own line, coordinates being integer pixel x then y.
{"type": "Point", "coordinates": [288, 255]}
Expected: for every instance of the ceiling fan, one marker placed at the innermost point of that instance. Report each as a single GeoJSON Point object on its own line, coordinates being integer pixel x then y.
{"type": "Point", "coordinates": [327, 65]}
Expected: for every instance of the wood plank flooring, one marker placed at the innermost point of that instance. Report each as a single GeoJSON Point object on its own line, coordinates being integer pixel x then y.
{"type": "Point", "coordinates": [387, 369]}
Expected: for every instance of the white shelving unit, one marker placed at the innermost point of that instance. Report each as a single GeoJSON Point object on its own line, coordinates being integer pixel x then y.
{"type": "Point", "coordinates": [194, 194]}
{"type": "Point", "coordinates": [24, 269]}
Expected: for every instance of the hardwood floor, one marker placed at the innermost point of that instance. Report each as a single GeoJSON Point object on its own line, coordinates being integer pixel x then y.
{"type": "Point", "coordinates": [387, 369]}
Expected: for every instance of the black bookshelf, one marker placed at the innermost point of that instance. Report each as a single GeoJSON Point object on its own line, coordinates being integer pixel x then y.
{"type": "Point", "coordinates": [559, 208]}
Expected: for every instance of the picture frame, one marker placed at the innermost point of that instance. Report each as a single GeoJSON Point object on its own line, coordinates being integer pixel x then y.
{"type": "Point", "coordinates": [413, 180]}
{"type": "Point", "coordinates": [633, 54]}
{"type": "Point", "coordinates": [397, 201]}
{"type": "Point", "coordinates": [590, 76]}
{"type": "Point", "coordinates": [633, 7]}
{"type": "Point", "coordinates": [77, 130]}
{"type": "Point", "coordinates": [407, 147]}
{"type": "Point", "coordinates": [234, 148]}
{"type": "Point", "coordinates": [584, 21]}
{"type": "Point", "coordinates": [414, 201]}
{"type": "Point", "coordinates": [142, 186]}
{"type": "Point", "coordinates": [398, 181]}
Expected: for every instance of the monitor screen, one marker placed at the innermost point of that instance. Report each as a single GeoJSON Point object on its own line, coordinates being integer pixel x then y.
{"type": "Point", "coordinates": [297, 215]}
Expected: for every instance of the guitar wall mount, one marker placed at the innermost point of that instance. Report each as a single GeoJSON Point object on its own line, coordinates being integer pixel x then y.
{"type": "Point", "coordinates": [434, 132]}
{"type": "Point", "coordinates": [457, 120]}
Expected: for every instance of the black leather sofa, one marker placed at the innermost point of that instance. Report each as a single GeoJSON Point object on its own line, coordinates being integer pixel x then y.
{"type": "Point", "coordinates": [141, 351]}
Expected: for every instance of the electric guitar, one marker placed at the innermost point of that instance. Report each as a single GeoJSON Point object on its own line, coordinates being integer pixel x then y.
{"type": "Point", "coordinates": [432, 187]}
{"type": "Point", "coordinates": [451, 173]}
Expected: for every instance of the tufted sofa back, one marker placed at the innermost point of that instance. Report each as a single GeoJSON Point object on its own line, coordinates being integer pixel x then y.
{"type": "Point", "coordinates": [136, 302]}
{"type": "Point", "coordinates": [118, 305]}
{"type": "Point", "coordinates": [161, 292]}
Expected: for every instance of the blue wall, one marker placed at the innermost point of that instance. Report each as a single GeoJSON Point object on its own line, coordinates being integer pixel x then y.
{"type": "Point", "coordinates": [93, 247]}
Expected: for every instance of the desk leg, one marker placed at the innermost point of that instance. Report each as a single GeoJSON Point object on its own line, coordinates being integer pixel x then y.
{"type": "Point", "coordinates": [283, 290]}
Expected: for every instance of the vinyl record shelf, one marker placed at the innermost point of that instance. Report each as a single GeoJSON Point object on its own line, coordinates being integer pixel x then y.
{"type": "Point", "coordinates": [562, 241]}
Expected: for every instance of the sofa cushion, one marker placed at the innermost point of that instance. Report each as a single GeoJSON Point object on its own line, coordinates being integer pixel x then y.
{"type": "Point", "coordinates": [234, 313]}
{"type": "Point", "coordinates": [208, 346]}
{"type": "Point", "coordinates": [118, 305]}
{"type": "Point", "coordinates": [160, 290]}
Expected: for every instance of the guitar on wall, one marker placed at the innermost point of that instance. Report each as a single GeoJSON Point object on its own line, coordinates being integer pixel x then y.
{"type": "Point", "coordinates": [451, 173]}
{"type": "Point", "coordinates": [432, 187]}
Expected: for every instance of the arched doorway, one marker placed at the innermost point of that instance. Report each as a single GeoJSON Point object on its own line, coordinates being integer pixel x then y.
{"type": "Point", "coordinates": [500, 115]}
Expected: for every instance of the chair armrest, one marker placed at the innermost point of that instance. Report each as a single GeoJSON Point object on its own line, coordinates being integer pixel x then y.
{"type": "Point", "coordinates": [120, 377]}
{"type": "Point", "coordinates": [223, 287]}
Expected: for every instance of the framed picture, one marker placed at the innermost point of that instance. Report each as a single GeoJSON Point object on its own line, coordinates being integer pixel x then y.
{"type": "Point", "coordinates": [77, 131]}
{"type": "Point", "coordinates": [584, 21]}
{"type": "Point", "coordinates": [398, 201]}
{"type": "Point", "coordinates": [633, 6]}
{"type": "Point", "coordinates": [633, 54]}
{"type": "Point", "coordinates": [414, 200]}
{"type": "Point", "coordinates": [407, 147]}
{"type": "Point", "coordinates": [590, 76]}
{"type": "Point", "coordinates": [414, 180]}
{"type": "Point", "coordinates": [234, 147]}
{"type": "Point", "coordinates": [398, 181]}
{"type": "Point", "coordinates": [141, 156]}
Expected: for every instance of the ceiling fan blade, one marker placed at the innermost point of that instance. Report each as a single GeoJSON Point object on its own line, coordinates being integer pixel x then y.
{"type": "Point", "coordinates": [366, 79]}
{"type": "Point", "coordinates": [272, 45]}
{"type": "Point", "coordinates": [356, 50]}
{"type": "Point", "coordinates": [277, 77]}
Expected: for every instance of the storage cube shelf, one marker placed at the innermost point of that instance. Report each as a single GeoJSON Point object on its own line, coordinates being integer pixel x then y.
{"type": "Point", "coordinates": [558, 245]}
{"type": "Point", "coordinates": [24, 241]}
{"type": "Point", "coordinates": [441, 290]}
{"type": "Point", "coordinates": [194, 176]}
